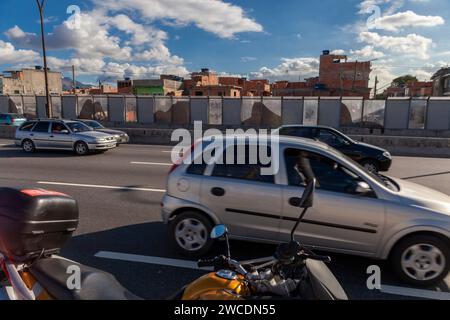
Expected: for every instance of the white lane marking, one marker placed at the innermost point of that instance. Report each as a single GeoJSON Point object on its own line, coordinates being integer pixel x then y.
{"type": "Point", "coordinates": [152, 163]}
{"type": "Point", "coordinates": [101, 187]}
{"type": "Point", "coordinates": [184, 264]}
{"type": "Point", "coordinates": [417, 293]}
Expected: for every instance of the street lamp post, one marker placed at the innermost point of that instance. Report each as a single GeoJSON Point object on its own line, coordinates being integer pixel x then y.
{"type": "Point", "coordinates": [48, 107]}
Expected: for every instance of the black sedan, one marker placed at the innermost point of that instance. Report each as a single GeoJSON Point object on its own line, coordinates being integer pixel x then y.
{"type": "Point", "coordinates": [373, 158]}
{"type": "Point", "coordinates": [120, 136]}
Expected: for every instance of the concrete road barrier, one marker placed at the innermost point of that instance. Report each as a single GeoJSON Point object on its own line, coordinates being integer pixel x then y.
{"type": "Point", "coordinates": [409, 146]}
{"type": "Point", "coordinates": [398, 145]}
{"type": "Point", "coordinates": [7, 132]}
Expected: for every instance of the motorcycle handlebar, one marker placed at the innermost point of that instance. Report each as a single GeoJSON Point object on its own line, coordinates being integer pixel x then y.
{"type": "Point", "coordinates": [206, 263]}
{"type": "Point", "coordinates": [217, 262]}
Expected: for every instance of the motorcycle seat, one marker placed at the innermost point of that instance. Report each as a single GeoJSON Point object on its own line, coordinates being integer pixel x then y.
{"type": "Point", "coordinates": [52, 274]}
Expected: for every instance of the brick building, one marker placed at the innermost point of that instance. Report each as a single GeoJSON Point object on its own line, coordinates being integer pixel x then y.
{"type": "Point", "coordinates": [413, 89]}
{"type": "Point", "coordinates": [206, 83]}
{"type": "Point", "coordinates": [307, 88]}
{"type": "Point", "coordinates": [441, 82]}
{"type": "Point", "coordinates": [30, 82]}
{"type": "Point", "coordinates": [419, 89]}
{"type": "Point", "coordinates": [102, 89]}
{"type": "Point", "coordinates": [337, 77]}
{"type": "Point", "coordinates": [166, 85]}
{"type": "Point", "coordinates": [250, 88]}
{"type": "Point", "coordinates": [343, 78]}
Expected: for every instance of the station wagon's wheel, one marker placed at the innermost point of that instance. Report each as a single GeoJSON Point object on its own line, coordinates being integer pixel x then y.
{"type": "Point", "coordinates": [28, 146]}
{"type": "Point", "coordinates": [422, 260]}
{"type": "Point", "coordinates": [81, 148]}
{"type": "Point", "coordinates": [190, 232]}
{"type": "Point", "coordinates": [371, 165]}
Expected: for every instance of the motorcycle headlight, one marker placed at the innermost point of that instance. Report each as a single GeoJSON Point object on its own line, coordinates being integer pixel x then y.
{"type": "Point", "coordinates": [387, 155]}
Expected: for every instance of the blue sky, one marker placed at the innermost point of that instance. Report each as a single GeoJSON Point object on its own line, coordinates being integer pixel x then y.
{"type": "Point", "coordinates": [110, 39]}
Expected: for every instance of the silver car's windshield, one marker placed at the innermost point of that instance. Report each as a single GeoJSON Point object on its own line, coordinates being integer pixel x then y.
{"type": "Point", "coordinates": [93, 124]}
{"type": "Point", "coordinates": [76, 127]}
{"type": "Point", "coordinates": [383, 180]}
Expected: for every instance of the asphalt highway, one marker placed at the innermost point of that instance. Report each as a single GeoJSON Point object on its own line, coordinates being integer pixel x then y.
{"type": "Point", "coordinates": [120, 230]}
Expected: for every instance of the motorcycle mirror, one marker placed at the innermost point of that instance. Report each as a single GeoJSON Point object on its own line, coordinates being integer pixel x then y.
{"type": "Point", "coordinates": [219, 231]}
{"type": "Point", "coordinates": [306, 202]}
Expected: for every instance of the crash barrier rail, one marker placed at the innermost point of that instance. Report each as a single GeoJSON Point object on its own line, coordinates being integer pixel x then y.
{"type": "Point", "coordinates": [345, 112]}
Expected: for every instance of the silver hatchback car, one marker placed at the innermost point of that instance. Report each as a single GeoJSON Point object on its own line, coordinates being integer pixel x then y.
{"type": "Point", "coordinates": [355, 212]}
{"type": "Point", "coordinates": [63, 135]}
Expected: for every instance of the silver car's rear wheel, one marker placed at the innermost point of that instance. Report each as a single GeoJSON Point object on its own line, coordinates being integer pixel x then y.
{"type": "Point", "coordinates": [422, 260]}
{"type": "Point", "coordinates": [28, 146]}
{"type": "Point", "coordinates": [190, 233]}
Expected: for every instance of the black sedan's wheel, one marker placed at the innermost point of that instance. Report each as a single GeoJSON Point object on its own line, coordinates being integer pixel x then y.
{"type": "Point", "coordinates": [28, 146]}
{"type": "Point", "coordinates": [81, 148]}
{"type": "Point", "coordinates": [371, 165]}
{"type": "Point", "coordinates": [422, 260]}
{"type": "Point", "coordinates": [189, 233]}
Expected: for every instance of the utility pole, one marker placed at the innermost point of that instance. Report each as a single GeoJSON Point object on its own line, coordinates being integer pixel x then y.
{"type": "Point", "coordinates": [44, 53]}
{"type": "Point", "coordinates": [74, 84]}
{"type": "Point", "coordinates": [354, 76]}
{"type": "Point", "coordinates": [376, 88]}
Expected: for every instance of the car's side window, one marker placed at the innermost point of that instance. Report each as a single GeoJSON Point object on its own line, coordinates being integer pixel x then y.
{"type": "Point", "coordinates": [27, 126]}
{"type": "Point", "coordinates": [2, 116]}
{"type": "Point", "coordinates": [330, 138]}
{"type": "Point", "coordinates": [296, 132]}
{"type": "Point", "coordinates": [248, 170]}
{"type": "Point", "coordinates": [59, 128]}
{"type": "Point", "coordinates": [41, 127]}
{"type": "Point", "coordinates": [303, 166]}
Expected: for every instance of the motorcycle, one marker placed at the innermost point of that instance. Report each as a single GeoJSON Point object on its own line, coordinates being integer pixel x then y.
{"type": "Point", "coordinates": [34, 224]}
{"type": "Point", "coordinates": [293, 273]}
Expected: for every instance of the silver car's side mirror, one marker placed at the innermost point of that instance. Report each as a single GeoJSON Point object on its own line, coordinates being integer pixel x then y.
{"type": "Point", "coordinates": [219, 231]}
{"type": "Point", "coordinates": [362, 188]}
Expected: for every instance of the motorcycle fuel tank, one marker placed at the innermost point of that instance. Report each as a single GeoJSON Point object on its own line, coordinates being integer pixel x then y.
{"type": "Point", "coordinates": [215, 287]}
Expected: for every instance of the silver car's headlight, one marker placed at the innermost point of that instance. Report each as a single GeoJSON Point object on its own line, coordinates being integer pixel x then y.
{"type": "Point", "coordinates": [387, 155]}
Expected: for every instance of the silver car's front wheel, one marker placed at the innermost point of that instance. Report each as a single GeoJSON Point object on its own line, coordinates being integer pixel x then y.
{"type": "Point", "coordinates": [190, 233]}
{"type": "Point", "coordinates": [81, 148]}
{"type": "Point", "coordinates": [422, 260]}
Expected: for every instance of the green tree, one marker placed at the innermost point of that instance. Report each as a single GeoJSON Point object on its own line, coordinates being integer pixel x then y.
{"type": "Point", "coordinates": [403, 80]}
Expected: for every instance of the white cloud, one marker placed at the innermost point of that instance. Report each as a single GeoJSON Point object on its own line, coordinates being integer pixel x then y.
{"type": "Point", "coordinates": [338, 52]}
{"type": "Point", "coordinates": [290, 69]}
{"type": "Point", "coordinates": [368, 52]}
{"type": "Point", "coordinates": [408, 18]}
{"type": "Point", "coordinates": [215, 16]}
{"type": "Point", "coordinates": [91, 40]}
{"type": "Point", "coordinates": [248, 59]}
{"type": "Point", "coordinates": [410, 45]}
{"type": "Point", "coordinates": [10, 55]}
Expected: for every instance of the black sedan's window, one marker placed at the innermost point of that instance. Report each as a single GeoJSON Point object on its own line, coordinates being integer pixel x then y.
{"type": "Point", "coordinates": [296, 132]}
